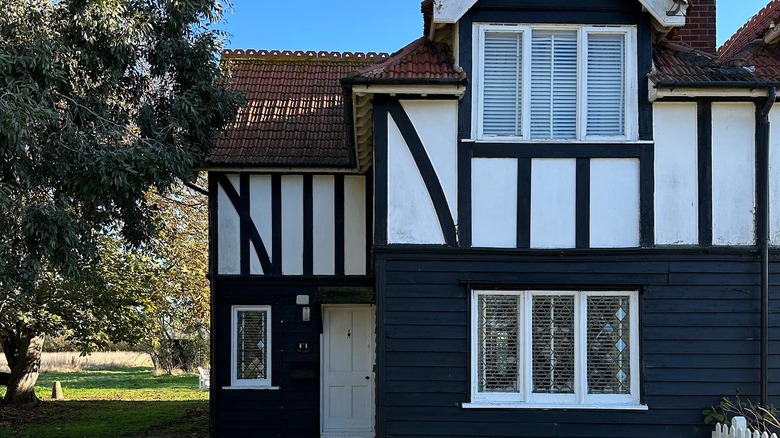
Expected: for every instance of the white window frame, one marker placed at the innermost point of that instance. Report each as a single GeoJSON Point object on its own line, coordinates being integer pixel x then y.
{"type": "Point", "coordinates": [525, 398]}
{"type": "Point", "coordinates": [235, 382]}
{"type": "Point", "coordinates": [631, 91]}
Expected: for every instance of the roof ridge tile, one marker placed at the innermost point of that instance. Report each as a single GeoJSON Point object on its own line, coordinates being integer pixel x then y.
{"type": "Point", "coordinates": [751, 30]}
{"type": "Point", "coordinates": [307, 55]}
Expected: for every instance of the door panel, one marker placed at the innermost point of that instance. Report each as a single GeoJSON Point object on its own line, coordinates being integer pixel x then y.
{"type": "Point", "coordinates": [348, 381]}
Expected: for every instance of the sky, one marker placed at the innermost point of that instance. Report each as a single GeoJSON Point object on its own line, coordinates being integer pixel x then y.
{"type": "Point", "coordinates": [370, 25]}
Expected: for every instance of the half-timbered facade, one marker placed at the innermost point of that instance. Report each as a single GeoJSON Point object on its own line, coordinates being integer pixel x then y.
{"type": "Point", "coordinates": [541, 219]}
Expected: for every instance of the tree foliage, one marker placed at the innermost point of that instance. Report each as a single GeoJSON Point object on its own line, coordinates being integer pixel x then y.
{"type": "Point", "coordinates": [102, 103]}
{"type": "Point", "coordinates": [172, 270]}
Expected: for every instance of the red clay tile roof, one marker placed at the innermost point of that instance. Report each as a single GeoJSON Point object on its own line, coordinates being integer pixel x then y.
{"type": "Point", "coordinates": [419, 62]}
{"type": "Point", "coordinates": [750, 31]}
{"type": "Point", "coordinates": [294, 110]}
{"type": "Point", "coordinates": [678, 65]}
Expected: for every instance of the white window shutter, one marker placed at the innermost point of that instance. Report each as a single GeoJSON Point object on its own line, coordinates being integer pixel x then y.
{"type": "Point", "coordinates": [502, 84]}
{"type": "Point", "coordinates": [606, 85]}
{"type": "Point", "coordinates": [554, 85]}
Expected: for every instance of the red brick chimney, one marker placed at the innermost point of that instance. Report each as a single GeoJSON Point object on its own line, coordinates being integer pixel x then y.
{"type": "Point", "coordinates": [699, 29]}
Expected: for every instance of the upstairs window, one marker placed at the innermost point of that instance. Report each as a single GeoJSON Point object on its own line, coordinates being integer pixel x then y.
{"type": "Point", "coordinates": [555, 83]}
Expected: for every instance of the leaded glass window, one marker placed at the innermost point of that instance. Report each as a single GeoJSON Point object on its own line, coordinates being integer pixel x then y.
{"type": "Point", "coordinates": [609, 345]}
{"type": "Point", "coordinates": [498, 346]}
{"type": "Point", "coordinates": [251, 346]}
{"type": "Point", "coordinates": [555, 348]}
{"type": "Point", "coordinates": [553, 344]}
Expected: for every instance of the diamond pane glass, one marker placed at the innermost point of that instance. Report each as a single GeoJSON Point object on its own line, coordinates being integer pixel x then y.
{"type": "Point", "coordinates": [553, 344]}
{"type": "Point", "coordinates": [609, 345]}
{"type": "Point", "coordinates": [252, 332]}
{"type": "Point", "coordinates": [498, 347]}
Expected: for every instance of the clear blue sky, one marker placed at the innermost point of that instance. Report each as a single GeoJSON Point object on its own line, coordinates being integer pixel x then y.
{"type": "Point", "coordinates": [370, 25]}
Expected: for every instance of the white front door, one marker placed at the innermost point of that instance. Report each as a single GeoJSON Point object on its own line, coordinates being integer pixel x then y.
{"type": "Point", "coordinates": [347, 371]}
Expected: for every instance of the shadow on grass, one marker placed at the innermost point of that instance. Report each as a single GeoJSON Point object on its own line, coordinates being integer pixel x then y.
{"type": "Point", "coordinates": [106, 418]}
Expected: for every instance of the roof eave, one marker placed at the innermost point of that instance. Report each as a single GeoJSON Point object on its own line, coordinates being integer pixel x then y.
{"type": "Point", "coordinates": [451, 11]}
{"type": "Point", "coordinates": [716, 84]}
{"type": "Point", "coordinates": [712, 89]}
{"type": "Point", "coordinates": [659, 8]}
{"type": "Point", "coordinates": [362, 80]}
{"type": "Point", "coordinates": [214, 167]}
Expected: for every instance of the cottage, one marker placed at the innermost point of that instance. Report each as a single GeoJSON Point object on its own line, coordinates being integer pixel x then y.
{"type": "Point", "coordinates": [540, 219]}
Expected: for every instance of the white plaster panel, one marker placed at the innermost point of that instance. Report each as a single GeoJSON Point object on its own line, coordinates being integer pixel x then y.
{"type": "Point", "coordinates": [324, 232]}
{"type": "Point", "coordinates": [411, 217]}
{"type": "Point", "coordinates": [774, 176]}
{"type": "Point", "coordinates": [260, 211]}
{"type": "Point", "coordinates": [354, 225]}
{"type": "Point", "coordinates": [733, 173]}
{"type": "Point", "coordinates": [292, 225]}
{"type": "Point", "coordinates": [676, 174]}
{"type": "Point", "coordinates": [228, 232]}
{"type": "Point", "coordinates": [553, 202]}
{"type": "Point", "coordinates": [494, 202]}
{"type": "Point", "coordinates": [436, 122]}
{"type": "Point", "coordinates": [614, 203]}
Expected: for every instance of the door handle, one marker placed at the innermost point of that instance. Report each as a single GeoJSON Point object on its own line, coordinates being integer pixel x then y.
{"type": "Point", "coordinates": [368, 378]}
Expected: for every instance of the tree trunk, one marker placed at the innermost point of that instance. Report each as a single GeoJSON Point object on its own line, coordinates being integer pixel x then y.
{"type": "Point", "coordinates": [23, 354]}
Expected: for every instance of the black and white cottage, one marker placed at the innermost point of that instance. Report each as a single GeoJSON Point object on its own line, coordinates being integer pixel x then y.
{"type": "Point", "coordinates": [547, 218]}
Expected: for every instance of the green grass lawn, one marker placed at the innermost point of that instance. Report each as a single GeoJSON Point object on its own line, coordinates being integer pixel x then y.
{"type": "Point", "coordinates": [116, 403]}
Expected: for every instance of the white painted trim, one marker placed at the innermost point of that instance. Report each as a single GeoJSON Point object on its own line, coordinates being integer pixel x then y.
{"type": "Point", "coordinates": [346, 435]}
{"type": "Point", "coordinates": [356, 434]}
{"type": "Point", "coordinates": [658, 9]}
{"type": "Point", "coordinates": [558, 142]}
{"type": "Point", "coordinates": [602, 407]}
{"type": "Point", "coordinates": [631, 122]}
{"type": "Point", "coordinates": [450, 11]}
{"type": "Point", "coordinates": [423, 90]}
{"type": "Point", "coordinates": [235, 382]}
{"type": "Point", "coordinates": [524, 398]}
{"type": "Point", "coordinates": [251, 388]}
{"type": "Point", "coordinates": [656, 93]}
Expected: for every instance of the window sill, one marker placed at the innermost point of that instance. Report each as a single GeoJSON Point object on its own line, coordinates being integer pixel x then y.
{"type": "Point", "coordinates": [251, 388]}
{"type": "Point", "coordinates": [524, 141]}
{"type": "Point", "coordinates": [602, 407]}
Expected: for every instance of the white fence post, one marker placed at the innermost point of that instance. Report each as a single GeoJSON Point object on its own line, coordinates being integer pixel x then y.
{"type": "Point", "coordinates": [738, 429]}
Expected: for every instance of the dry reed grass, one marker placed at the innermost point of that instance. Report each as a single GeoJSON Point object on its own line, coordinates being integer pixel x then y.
{"type": "Point", "coordinates": [72, 361]}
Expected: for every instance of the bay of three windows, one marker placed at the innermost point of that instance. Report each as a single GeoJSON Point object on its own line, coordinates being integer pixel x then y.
{"type": "Point", "coordinates": [550, 83]}
{"type": "Point", "coordinates": [555, 349]}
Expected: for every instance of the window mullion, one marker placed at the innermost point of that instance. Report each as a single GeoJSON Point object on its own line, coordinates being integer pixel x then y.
{"type": "Point", "coordinates": [634, 327]}
{"type": "Point", "coordinates": [480, 102]}
{"type": "Point", "coordinates": [527, 350]}
{"type": "Point", "coordinates": [581, 355]}
{"type": "Point", "coordinates": [582, 83]}
{"type": "Point", "coordinates": [475, 344]}
{"type": "Point", "coordinates": [519, 84]}
{"type": "Point", "coordinates": [551, 113]}
{"type": "Point", "coordinates": [525, 102]}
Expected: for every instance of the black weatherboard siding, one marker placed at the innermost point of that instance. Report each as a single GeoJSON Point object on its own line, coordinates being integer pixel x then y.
{"type": "Point", "coordinates": [294, 409]}
{"type": "Point", "coordinates": [699, 328]}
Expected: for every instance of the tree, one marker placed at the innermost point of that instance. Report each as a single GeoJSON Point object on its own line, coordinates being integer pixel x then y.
{"type": "Point", "coordinates": [102, 102]}
{"type": "Point", "coordinates": [173, 268]}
